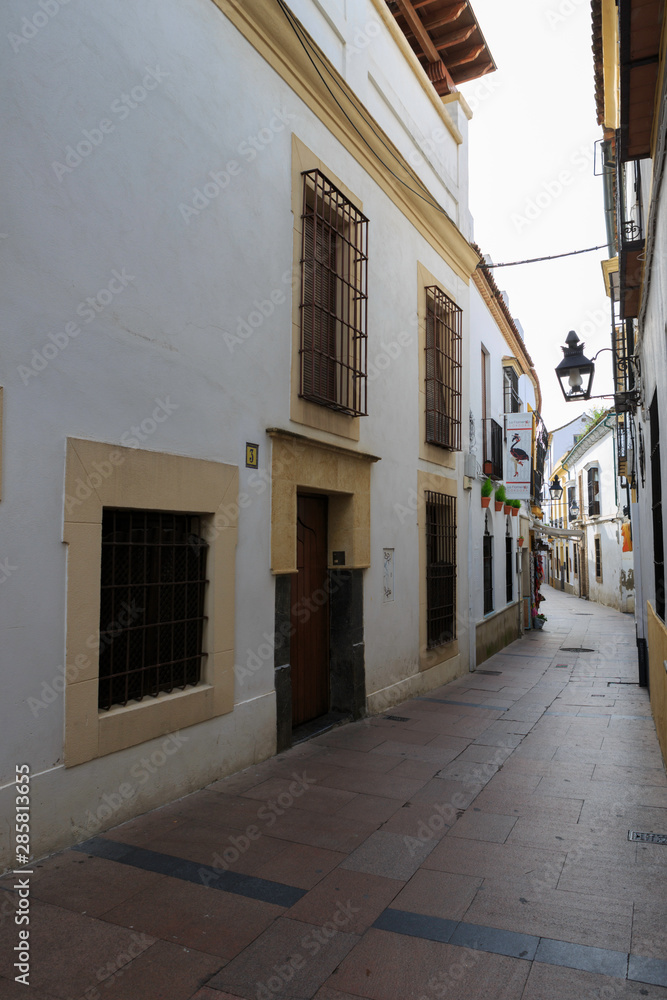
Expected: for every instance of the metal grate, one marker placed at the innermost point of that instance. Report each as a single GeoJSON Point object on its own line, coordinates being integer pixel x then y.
{"type": "Point", "coordinates": [512, 400]}
{"type": "Point", "coordinates": [440, 568]}
{"type": "Point", "coordinates": [487, 562]}
{"type": "Point", "coordinates": [492, 448]}
{"type": "Point", "coordinates": [396, 718]}
{"type": "Point", "coordinates": [647, 838]}
{"type": "Point", "coordinates": [489, 673]}
{"type": "Point", "coordinates": [334, 300]}
{"type": "Point", "coordinates": [152, 604]}
{"type": "Point", "coordinates": [576, 649]}
{"type": "Point", "coordinates": [443, 369]}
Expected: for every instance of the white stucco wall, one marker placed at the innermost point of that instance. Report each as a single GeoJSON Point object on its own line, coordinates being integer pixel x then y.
{"type": "Point", "coordinates": [188, 280]}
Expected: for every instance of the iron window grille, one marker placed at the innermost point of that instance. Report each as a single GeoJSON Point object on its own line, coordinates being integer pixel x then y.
{"type": "Point", "coordinates": [598, 559]}
{"type": "Point", "coordinates": [487, 557]}
{"type": "Point", "coordinates": [511, 391]}
{"type": "Point", "coordinates": [153, 583]}
{"type": "Point", "coordinates": [509, 570]}
{"type": "Point", "coordinates": [656, 509]}
{"type": "Point", "coordinates": [593, 491]}
{"type": "Point", "coordinates": [443, 369]}
{"type": "Point", "coordinates": [334, 299]}
{"type": "Point", "coordinates": [492, 448]}
{"type": "Point", "coordinates": [440, 568]}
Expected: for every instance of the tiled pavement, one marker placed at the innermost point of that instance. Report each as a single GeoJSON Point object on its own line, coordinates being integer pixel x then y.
{"type": "Point", "coordinates": [472, 843]}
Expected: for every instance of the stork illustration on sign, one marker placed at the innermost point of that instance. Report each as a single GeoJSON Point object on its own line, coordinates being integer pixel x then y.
{"type": "Point", "coordinates": [518, 455]}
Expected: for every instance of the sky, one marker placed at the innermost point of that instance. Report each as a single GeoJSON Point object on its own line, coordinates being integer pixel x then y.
{"type": "Point", "coordinates": [533, 191]}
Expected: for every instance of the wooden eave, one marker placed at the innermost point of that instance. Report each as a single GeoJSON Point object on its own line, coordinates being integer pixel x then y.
{"type": "Point", "coordinates": [447, 40]}
{"type": "Point", "coordinates": [641, 23]}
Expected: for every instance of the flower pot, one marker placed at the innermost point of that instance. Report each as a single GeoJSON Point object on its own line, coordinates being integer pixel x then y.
{"type": "Point", "coordinates": [515, 511]}
{"type": "Point", "coordinates": [508, 508]}
{"type": "Point", "coordinates": [538, 623]}
{"type": "Point", "coordinates": [519, 541]}
{"type": "Point", "coordinates": [488, 468]}
{"type": "Point", "coordinates": [486, 501]}
{"type": "Point", "coordinates": [499, 504]}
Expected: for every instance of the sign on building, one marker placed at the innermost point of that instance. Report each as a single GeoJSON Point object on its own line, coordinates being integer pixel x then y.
{"type": "Point", "coordinates": [519, 460]}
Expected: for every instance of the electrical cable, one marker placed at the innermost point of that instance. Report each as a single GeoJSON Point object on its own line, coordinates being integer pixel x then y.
{"type": "Point", "coordinates": [295, 28]}
{"type": "Point", "coordinates": [535, 260]}
{"type": "Point", "coordinates": [303, 41]}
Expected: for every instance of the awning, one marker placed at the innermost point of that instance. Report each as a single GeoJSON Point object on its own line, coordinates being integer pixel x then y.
{"type": "Point", "coordinates": [550, 532]}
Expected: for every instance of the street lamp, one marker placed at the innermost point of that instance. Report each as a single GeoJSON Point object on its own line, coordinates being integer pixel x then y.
{"type": "Point", "coordinates": [574, 510]}
{"type": "Point", "coordinates": [555, 488]}
{"type": "Point", "coordinates": [575, 372]}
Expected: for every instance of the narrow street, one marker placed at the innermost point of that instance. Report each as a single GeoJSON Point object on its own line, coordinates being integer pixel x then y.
{"type": "Point", "coordinates": [472, 843]}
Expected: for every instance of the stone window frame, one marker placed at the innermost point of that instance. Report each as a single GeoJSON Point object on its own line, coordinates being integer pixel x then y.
{"type": "Point", "coordinates": [99, 475]}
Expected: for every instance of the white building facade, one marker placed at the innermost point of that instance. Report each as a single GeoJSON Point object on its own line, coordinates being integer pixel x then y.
{"type": "Point", "coordinates": [597, 561]}
{"type": "Point", "coordinates": [238, 251]}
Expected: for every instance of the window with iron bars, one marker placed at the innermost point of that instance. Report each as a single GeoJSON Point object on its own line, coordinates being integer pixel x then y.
{"type": "Point", "coordinates": [152, 604]}
{"type": "Point", "coordinates": [511, 391]}
{"type": "Point", "coordinates": [593, 491]}
{"type": "Point", "coordinates": [509, 570]}
{"type": "Point", "coordinates": [598, 558]}
{"type": "Point", "coordinates": [440, 568]}
{"type": "Point", "coordinates": [487, 563]}
{"type": "Point", "coordinates": [443, 370]}
{"type": "Point", "coordinates": [334, 300]}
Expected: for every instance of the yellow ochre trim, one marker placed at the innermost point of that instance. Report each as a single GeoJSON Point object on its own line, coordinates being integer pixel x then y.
{"type": "Point", "coordinates": [266, 28]}
{"type": "Point", "coordinates": [101, 475]}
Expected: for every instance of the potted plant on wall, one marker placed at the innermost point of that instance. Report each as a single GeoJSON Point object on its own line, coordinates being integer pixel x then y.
{"type": "Point", "coordinates": [487, 490]}
{"type": "Point", "coordinates": [516, 507]}
{"type": "Point", "coordinates": [500, 497]}
{"type": "Point", "coordinates": [519, 541]}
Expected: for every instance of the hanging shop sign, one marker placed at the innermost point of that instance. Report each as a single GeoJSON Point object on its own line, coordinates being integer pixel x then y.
{"type": "Point", "coordinates": [519, 457]}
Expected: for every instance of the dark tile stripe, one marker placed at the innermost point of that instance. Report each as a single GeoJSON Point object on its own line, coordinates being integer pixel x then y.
{"type": "Point", "coordinates": [496, 941]}
{"type": "Point", "coordinates": [529, 947]}
{"type": "Point", "coordinates": [465, 704]}
{"type": "Point", "coordinates": [190, 871]}
{"type": "Point", "coordinates": [647, 970]}
{"type": "Point", "coordinates": [416, 925]}
{"type": "Point", "coordinates": [580, 956]}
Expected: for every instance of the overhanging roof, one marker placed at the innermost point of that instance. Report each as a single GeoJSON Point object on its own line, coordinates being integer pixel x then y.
{"type": "Point", "coordinates": [446, 38]}
{"type": "Point", "coordinates": [640, 33]}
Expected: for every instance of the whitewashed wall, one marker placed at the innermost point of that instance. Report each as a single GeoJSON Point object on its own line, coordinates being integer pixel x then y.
{"type": "Point", "coordinates": [192, 269]}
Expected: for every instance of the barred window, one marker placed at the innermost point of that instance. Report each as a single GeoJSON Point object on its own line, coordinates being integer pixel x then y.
{"type": "Point", "coordinates": [152, 604]}
{"type": "Point", "coordinates": [598, 558]}
{"type": "Point", "coordinates": [334, 300]}
{"type": "Point", "coordinates": [440, 568]}
{"type": "Point", "coordinates": [487, 568]}
{"type": "Point", "coordinates": [593, 491]}
{"type": "Point", "coordinates": [509, 569]}
{"type": "Point", "coordinates": [443, 370]}
{"type": "Point", "coordinates": [511, 391]}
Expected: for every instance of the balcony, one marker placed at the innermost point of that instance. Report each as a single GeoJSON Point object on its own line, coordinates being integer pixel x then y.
{"type": "Point", "coordinates": [493, 448]}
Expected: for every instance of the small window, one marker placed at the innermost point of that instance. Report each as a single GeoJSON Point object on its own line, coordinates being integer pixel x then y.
{"type": "Point", "coordinates": [598, 559]}
{"type": "Point", "coordinates": [443, 370]}
{"type": "Point", "coordinates": [334, 271]}
{"type": "Point", "coordinates": [440, 568]}
{"type": "Point", "coordinates": [571, 499]}
{"type": "Point", "coordinates": [511, 391]}
{"type": "Point", "coordinates": [487, 560]}
{"type": "Point", "coordinates": [152, 604]}
{"type": "Point", "coordinates": [593, 491]}
{"type": "Point", "coordinates": [509, 570]}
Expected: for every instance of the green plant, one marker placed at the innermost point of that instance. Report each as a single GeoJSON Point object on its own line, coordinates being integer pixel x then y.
{"type": "Point", "coordinates": [487, 487]}
{"type": "Point", "coordinates": [543, 617]}
{"type": "Point", "coordinates": [516, 503]}
{"type": "Point", "coordinates": [501, 496]}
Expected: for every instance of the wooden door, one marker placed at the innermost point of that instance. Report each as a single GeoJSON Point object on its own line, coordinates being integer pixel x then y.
{"type": "Point", "coordinates": [309, 652]}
